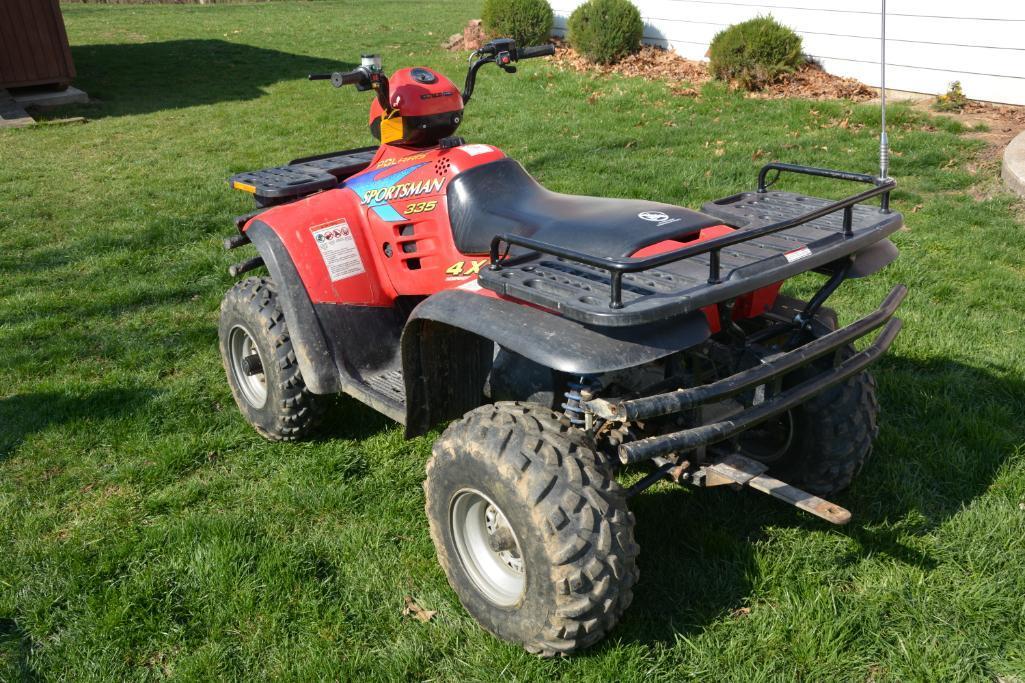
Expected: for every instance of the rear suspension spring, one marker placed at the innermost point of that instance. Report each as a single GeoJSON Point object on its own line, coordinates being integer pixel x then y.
{"type": "Point", "coordinates": [583, 389]}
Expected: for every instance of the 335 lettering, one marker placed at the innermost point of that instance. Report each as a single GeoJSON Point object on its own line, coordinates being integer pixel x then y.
{"type": "Point", "coordinates": [465, 268]}
{"type": "Point", "coordinates": [420, 207]}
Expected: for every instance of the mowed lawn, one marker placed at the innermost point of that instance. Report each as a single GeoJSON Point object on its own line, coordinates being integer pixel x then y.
{"type": "Point", "coordinates": [147, 532]}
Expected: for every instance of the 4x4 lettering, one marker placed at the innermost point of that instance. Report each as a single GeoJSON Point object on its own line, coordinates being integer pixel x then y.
{"type": "Point", "coordinates": [465, 269]}
{"type": "Point", "coordinates": [474, 268]}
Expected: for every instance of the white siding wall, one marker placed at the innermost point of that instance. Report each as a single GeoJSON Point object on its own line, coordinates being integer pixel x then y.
{"type": "Point", "coordinates": [929, 43]}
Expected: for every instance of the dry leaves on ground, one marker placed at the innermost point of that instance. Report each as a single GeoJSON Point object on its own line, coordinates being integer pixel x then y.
{"type": "Point", "coordinates": [416, 611]}
{"type": "Point", "coordinates": [655, 63]}
{"type": "Point", "coordinates": [649, 62]}
{"type": "Point", "coordinates": [810, 82]}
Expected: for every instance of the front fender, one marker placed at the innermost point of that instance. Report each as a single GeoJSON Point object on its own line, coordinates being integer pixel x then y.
{"type": "Point", "coordinates": [311, 348]}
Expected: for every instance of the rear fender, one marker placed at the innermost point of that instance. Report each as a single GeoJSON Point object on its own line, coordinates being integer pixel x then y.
{"type": "Point", "coordinates": [874, 258]}
{"type": "Point", "coordinates": [865, 262]}
{"type": "Point", "coordinates": [447, 348]}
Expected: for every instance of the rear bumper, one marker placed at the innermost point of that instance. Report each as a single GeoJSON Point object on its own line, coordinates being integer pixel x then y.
{"type": "Point", "coordinates": [765, 373]}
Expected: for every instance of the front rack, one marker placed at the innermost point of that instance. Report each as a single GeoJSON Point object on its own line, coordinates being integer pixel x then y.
{"type": "Point", "coordinates": [618, 266]}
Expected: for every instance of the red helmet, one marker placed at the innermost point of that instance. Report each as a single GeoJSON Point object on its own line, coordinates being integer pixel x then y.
{"type": "Point", "coordinates": [426, 107]}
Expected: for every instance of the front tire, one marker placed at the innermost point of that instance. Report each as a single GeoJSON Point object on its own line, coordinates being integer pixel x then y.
{"type": "Point", "coordinates": [535, 538]}
{"type": "Point", "coordinates": [261, 366]}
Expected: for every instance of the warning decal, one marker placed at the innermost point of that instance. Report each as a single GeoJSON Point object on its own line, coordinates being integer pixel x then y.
{"type": "Point", "coordinates": [338, 249]}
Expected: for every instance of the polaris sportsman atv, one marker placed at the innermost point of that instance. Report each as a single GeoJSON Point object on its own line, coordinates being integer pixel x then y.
{"type": "Point", "coordinates": [570, 338]}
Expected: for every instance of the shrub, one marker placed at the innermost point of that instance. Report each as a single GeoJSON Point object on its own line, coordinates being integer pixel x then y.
{"type": "Point", "coordinates": [952, 100]}
{"type": "Point", "coordinates": [755, 53]}
{"type": "Point", "coordinates": [528, 22]}
{"type": "Point", "coordinates": [606, 30]}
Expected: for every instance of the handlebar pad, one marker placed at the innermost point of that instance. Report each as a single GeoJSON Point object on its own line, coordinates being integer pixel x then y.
{"type": "Point", "coordinates": [535, 51]}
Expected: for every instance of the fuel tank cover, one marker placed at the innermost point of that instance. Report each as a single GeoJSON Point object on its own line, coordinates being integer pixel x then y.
{"type": "Point", "coordinates": [423, 76]}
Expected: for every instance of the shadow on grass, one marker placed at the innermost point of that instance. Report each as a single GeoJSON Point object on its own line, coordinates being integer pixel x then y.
{"type": "Point", "coordinates": [15, 647]}
{"type": "Point", "coordinates": [347, 418]}
{"type": "Point", "coordinates": [25, 414]}
{"type": "Point", "coordinates": [948, 428]}
{"type": "Point", "coordinates": [139, 78]}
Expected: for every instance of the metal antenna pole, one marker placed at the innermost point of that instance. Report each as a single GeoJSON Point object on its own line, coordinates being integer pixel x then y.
{"type": "Point", "coordinates": [884, 142]}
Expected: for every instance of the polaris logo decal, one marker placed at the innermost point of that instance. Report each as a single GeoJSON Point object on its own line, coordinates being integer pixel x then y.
{"type": "Point", "coordinates": [659, 218]}
{"type": "Point", "coordinates": [377, 188]}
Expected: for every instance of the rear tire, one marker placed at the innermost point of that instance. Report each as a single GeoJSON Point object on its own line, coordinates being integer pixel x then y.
{"type": "Point", "coordinates": [261, 366]}
{"type": "Point", "coordinates": [831, 434]}
{"type": "Point", "coordinates": [566, 534]}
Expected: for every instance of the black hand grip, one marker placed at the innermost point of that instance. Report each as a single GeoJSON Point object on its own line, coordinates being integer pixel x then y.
{"type": "Point", "coordinates": [535, 51]}
{"type": "Point", "coordinates": [340, 78]}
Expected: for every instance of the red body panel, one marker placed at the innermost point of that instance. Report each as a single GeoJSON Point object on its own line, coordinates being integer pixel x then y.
{"type": "Point", "coordinates": [750, 305]}
{"type": "Point", "coordinates": [397, 205]}
{"type": "Point", "coordinates": [397, 216]}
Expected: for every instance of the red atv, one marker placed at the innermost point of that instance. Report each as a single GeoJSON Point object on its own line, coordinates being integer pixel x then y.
{"type": "Point", "coordinates": [569, 337]}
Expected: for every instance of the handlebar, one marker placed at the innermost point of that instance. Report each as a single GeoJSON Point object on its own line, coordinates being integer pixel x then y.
{"type": "Point", "coordinates": [340, 78]}
{"type": "Point", "coordinates": [503, 52]}
{"type": "Point", "coordinates": [535, 51]}
{"type": "Point", "coordinates": [500, 51]}
{"type": "Point", "coordinates": [364, 77]}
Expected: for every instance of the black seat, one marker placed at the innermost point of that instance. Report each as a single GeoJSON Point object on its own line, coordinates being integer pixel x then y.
{"type": "Point", "coordinates": [500, 197]}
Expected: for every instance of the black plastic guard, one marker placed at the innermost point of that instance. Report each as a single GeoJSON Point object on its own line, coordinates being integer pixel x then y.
{"type": "Point", "coordinates": [872, 259]}
{"type": "Point", "coordinates": [311, 348]}
{"type": "Point", "coordinates": [556, 342]}
{"type": "Point", "coordinates": [447, 348]}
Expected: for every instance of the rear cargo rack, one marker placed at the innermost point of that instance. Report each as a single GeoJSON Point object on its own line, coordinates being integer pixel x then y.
{"type": "Point", "coordinates": [301, 177]}
{"type": "Point", "coordinates": [815, 232]}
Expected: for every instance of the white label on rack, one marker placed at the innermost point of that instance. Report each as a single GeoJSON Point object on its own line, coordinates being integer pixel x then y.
{"type": "Point", "coordinates": [339, 251]}
{"type": "Point", "coordinates": [797, 254]}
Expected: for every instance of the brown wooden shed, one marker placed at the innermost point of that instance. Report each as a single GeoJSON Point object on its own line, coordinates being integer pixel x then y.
{"type": "Point", "coordinates": [34, 47]}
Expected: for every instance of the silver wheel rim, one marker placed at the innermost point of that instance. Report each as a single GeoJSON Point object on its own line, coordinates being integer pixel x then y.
{"type": "Point", "coordinates": [253, 387]}
{"type": "Point", "coordinates": [478, 525]}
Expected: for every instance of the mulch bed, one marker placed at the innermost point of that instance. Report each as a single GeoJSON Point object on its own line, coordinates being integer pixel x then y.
{"type": "Point", "coordinates": [654, 63]}
{"type": "Point", "coordinates": [809, 82]}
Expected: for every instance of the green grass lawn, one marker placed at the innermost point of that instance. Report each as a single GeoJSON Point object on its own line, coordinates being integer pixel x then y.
{"type": "Point", "coordinates": [147, 532]}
